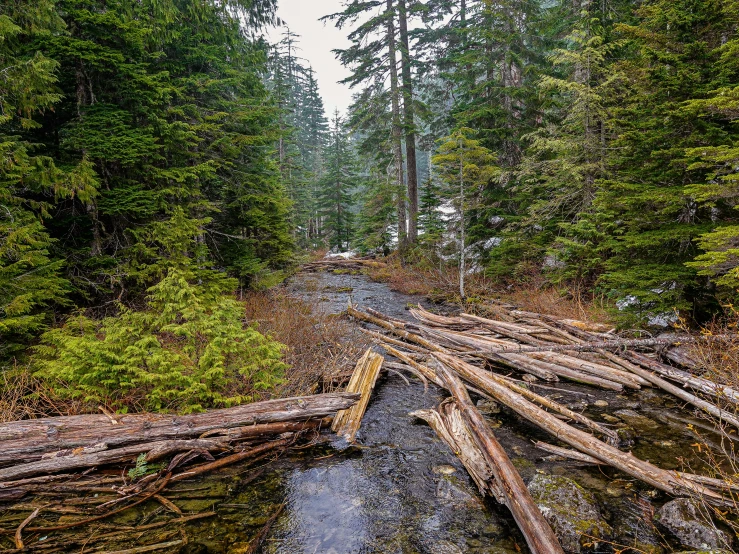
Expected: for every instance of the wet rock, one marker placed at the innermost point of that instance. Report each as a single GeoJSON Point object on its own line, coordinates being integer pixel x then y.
{"type": "Point", "coordinates": [571, 511]}
{"type": "Point", "coordinates": [444, 469]}
{"type": "Point", "coordinates": [610, 419]}
{"type": "Point", "coordinates": [488, 407]}
{"type": "Point", "coordinates": [637, 421]}
{"type": "Point", "coordinates": [632, 519]}
{"type": "Point", "coordinates": [682, 518]}
{"type": "Point", "coordinates": [451, 489]}
{"type": "Point", "coordinates": [601, 403]}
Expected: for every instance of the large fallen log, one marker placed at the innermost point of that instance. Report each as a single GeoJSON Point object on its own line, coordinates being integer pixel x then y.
{"type": "Point", "coordinates": [584, 442]}
{"type": "Point", "coordinates": [28, 440]}
{"type": "Point", "coordinates": [515, 496]}
{"type": "Point", "coordinates": [347, 422]}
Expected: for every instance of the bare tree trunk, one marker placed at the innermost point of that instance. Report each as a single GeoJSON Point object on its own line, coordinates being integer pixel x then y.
{"type": "Point", "coordinates": [461, 223]}
{"type": "Point", "coordinates": [397, 129]}
{"type": "Point", "coordinates": [409, 123]}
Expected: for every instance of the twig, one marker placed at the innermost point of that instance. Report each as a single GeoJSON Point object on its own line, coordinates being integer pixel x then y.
{"type": "Point", "coordinates": [19, 532]}
{"type": "Point", "coordinates": [259, 539]}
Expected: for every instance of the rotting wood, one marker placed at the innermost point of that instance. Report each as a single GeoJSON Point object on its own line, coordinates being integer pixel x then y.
{"type": "Point", "coordinates": [447, 422]}
{"type": "Point", "coordinates": [515, 496]}
{"type": "Point", "coordinates": [28, 440]}
{"type": "Point", "coordinates": [347, 422]}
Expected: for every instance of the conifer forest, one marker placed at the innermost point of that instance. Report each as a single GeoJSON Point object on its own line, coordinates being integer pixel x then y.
{"type": "Point", "coordinates": [559, 173]}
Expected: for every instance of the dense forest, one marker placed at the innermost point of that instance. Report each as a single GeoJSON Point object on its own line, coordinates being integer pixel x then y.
{"type": "Point", "coordinates": [161, 157]}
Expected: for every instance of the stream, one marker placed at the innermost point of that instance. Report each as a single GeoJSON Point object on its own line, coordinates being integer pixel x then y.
{"type": "Point", "coordinates": [399, 490]}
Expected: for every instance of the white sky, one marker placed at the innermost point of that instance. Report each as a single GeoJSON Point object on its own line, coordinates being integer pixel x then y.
{"type": "Point", "coordinates": [316, 42]}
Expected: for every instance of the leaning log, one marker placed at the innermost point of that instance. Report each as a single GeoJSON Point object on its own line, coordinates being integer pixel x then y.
{"type": "Point", "coordinates": [28, 440]}
{"type": "Point", "coordinates": [534, 527]}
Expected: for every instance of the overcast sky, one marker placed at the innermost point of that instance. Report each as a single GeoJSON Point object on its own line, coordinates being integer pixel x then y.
{"type": "Point", "coordinates": [316, 42]}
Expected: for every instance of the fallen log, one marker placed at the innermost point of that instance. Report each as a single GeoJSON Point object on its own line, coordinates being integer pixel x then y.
{"type": "Point", "coordinates": [447, 422]}
{"type": "Point", "coordinates": [715, 411]}
{"type": "Point", "coordinates": [686, 379]}
{"type": "Point", "coordinates": [584, 442]}
{"type": "Point", "coordinates": [515, 496]}
{"type": "Point", "coordinates": [28, 440]}
{"type": "Point", "coordinates": [617, 375]}
{"type": "Point", "coordinates": [347, 422]}
{"type": "Point", "coordinates": [71, 461]}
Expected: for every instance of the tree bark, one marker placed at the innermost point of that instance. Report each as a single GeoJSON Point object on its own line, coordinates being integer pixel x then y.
{"type": "Point", "coordinates": [397, 129]}
{"type": "Point", "coordinates": [409, 123]}
{"type": "Point", "coordinates": [29, 439]}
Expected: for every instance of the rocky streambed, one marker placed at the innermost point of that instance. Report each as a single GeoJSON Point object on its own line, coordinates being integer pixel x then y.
{"type": "Point", "coordinates": [399, 490]}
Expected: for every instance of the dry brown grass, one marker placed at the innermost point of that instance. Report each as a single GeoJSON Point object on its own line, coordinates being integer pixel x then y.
{"type": "Point", "coordinates": [319, 345]}
{"type": "Point", "coordinates": [440, 282]}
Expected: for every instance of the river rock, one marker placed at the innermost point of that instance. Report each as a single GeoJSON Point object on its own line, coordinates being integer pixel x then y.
{"type": "Point", "coordinates": [571, 511]}
{"type": "Point", "coordinates": [633, 524]}
{"type": "Point", "coordinates": [682, 518]}
{"type": "Point", "coordinates": [637, 421]}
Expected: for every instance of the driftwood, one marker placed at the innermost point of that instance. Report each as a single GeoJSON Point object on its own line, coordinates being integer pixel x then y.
{"type": "Point", "coordinates": [347, 422]}
{"type": "Point", "coordinates": [28, 440]}
{"type": "Point", "coordinates": [534, 527]}
{"type": "Point", "coordinates": [447, 422]}
{"type": "Point", "coordinates": [609, 455]}
{"type": "Point", "coordinates": [696, 383]}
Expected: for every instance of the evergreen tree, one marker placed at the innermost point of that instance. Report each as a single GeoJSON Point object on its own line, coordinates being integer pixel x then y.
{"type": "Point", "coordinates": [339, 180]}
{"type": "Point", "coordinates": [466, 167]}
{"type": "Point", "coordinates": [31, 282]}
{"type": "Point", "coordinates": [650, 217]}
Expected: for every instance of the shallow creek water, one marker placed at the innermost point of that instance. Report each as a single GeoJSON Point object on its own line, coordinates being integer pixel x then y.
{"type": "Point", "coordinates": [399, 489]}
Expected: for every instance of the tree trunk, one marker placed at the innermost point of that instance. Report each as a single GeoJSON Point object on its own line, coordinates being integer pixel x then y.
{"type": "Point", "coordinates": [29, 439]}
{"type": "Point", "coordinates": [397, 128]}
{"type": "Point", "coordinates": [409, 123]}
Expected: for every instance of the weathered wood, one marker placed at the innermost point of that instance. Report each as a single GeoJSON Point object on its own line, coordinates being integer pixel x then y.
{"type": "Point", "coordinates": [534, 527]}
{"type": "Point", "coordinates": [712, 409]}
{"type": "Point", "coordinates": [72, 461]}
{"type": "Point", "coordinates": [567, 453]}
{"type": "Point", "coordinates": [447, 422]}
{"type": "Point", "coordinates": [606, 372]}
{"type": "Point", "coordinates": [347, 422]}
{"type": "Point", "coordinates": [696, 383]}
{"type": "Point", "coordinates": [27, 440]}
{"type": "Point", "coordinates": [584, 442]}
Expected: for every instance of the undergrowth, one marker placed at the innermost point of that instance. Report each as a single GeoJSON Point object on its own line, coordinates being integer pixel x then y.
{"type": "Point", "coordinates": [427, 275]}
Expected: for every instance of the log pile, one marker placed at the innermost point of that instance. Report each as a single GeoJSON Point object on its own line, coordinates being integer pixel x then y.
{"type": "Point", "coordinates": [60, 457]}
{"type": "Point", "coordinates": [338, 263]}
{"type": "Point", "coordinates": [486, 354]}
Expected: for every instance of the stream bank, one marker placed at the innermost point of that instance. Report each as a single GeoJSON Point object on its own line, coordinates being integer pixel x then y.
{"type": "Point", "coordinates": [400, 490]}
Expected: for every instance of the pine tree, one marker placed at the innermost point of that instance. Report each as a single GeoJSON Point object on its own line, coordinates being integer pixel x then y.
{"type": "Point", "coordinates": [647, 212]}
{"type": "Point", "coordinates": [466, 167]}
{"type": "Point", "coordinates": [338, 183]}
{"type": "Point", "coordinates": [31, 282]}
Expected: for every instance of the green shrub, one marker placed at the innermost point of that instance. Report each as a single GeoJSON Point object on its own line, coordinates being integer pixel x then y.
{"type": "Point", "coordinates": [188, 350]}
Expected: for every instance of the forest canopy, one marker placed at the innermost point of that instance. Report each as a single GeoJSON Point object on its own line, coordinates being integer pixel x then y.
{"type": "Point", "coordinates": [594, 146]}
